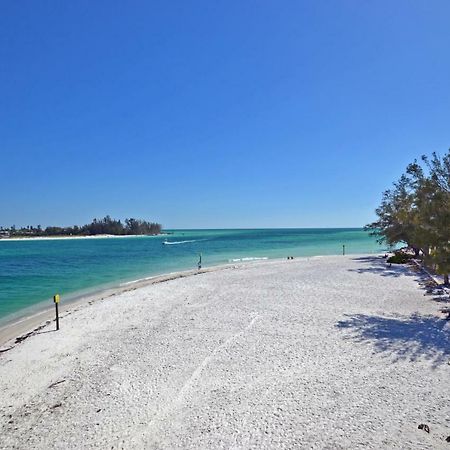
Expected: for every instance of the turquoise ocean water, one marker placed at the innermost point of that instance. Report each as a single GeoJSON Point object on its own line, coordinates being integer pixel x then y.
{"type": "Point", "coordinates": [32, 271]}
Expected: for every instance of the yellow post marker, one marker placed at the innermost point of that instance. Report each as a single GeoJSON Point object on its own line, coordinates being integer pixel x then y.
{"type": "Point", "coordinates": [56, 300]}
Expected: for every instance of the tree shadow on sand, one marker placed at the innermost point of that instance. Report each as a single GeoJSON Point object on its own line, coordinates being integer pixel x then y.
{"type": "Point", "coordinates": [378, 265]}
{"type": "Point", "coordinates": [402, 337]}
{"type": "Point", "coordinates": [436, 294]}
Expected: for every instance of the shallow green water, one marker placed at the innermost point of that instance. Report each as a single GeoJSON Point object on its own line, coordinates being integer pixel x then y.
{"type": "Point", "coordinates": [32, 271]}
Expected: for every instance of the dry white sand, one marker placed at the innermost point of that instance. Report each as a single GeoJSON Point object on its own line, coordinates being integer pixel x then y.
{"type": "Point", "coordinates": [325, 352]}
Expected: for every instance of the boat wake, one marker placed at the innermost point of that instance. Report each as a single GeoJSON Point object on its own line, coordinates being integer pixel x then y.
{"type": "Point", "coordinates": [178, 242]}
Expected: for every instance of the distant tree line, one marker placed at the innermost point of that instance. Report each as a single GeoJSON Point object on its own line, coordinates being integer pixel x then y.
{"type": "Point", "coordinates": [96, 227]}
{"type": "Point", "coordinates": [416, 211]}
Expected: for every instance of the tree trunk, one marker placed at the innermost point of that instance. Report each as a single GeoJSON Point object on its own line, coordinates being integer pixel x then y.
{"type": "Point", "coordinates": [446, 281]}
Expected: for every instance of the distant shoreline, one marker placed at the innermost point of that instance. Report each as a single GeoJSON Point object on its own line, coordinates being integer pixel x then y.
{"type": "Point", "coordinates": [96, 236]}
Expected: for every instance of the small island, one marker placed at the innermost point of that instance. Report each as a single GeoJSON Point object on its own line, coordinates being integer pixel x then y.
{"type": "Point", "coordinates": [105, 226]}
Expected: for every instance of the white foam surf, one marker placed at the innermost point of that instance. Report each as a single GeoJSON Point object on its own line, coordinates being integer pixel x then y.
{"type": "Point", "coordinates": [248, 259]}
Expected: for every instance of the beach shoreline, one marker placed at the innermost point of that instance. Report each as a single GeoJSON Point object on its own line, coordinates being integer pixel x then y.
{"type": "Point", "coordinates": [315, 352]}
{"type": "Point", "coordinates": [39, 315]}
{"type": "Point", "coordinates": [42, 313]}
{"type": "Point", "coordinates": [36, 269]}
{"type": "Point", "coordinates": [33, 321]}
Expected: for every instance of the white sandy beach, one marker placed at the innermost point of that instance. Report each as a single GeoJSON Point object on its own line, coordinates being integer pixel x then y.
{"type": "Point", "coordinates": [324, 352]}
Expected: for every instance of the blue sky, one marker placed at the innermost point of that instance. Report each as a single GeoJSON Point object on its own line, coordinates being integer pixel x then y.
{"type": "Point", "coordinates": [217, 114]}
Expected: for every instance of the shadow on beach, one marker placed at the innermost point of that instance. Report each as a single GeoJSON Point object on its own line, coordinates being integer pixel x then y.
{"type": "Point", "coordinates": [402, 337]}
{"type": "Point", "coordinates": [46, 331]}
{"type": "Point", "coordinates": [378, 265]}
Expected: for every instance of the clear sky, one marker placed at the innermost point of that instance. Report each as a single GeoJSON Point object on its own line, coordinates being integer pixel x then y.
{"type": "Point", "coordinates": [216, 113]}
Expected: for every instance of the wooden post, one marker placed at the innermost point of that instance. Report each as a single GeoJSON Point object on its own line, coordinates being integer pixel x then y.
{"type": "Point", "coordinates": [56, 300]}
{"type": "Point", "coordinates": [343, 249]}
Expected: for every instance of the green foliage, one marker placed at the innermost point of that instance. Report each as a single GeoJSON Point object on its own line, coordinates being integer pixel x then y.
{"type": "Point", "coordinates": [96, 227]}
{"type": "Point", "coordinates": [416, 211]}
{"type": "Point", "coordinates": [399, 258]}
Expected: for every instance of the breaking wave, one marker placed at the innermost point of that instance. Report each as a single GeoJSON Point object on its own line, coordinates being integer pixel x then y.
{"type": "Point", "coordinates": [248, 259]}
